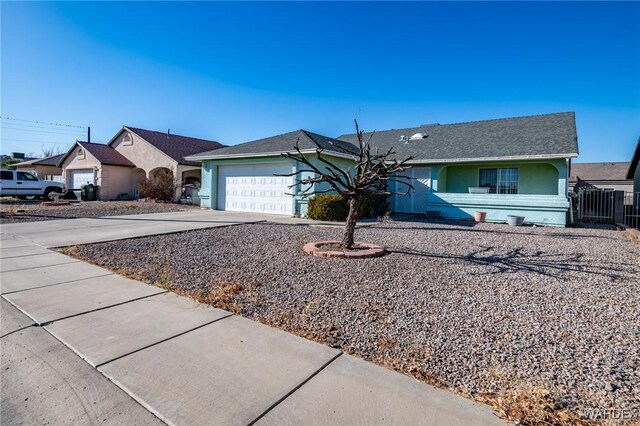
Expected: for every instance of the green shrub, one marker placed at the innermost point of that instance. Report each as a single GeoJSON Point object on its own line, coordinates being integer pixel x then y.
{"type": "Point", "coordinates": [161, 185]}
{"type": "Point", "coordinates": [374, 205]}
{"type": "Point", "coordinates": [328, 207]}
{"type": "Point", "coordinates": [335, 207]}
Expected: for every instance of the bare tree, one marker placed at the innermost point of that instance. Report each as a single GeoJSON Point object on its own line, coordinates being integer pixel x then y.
{"type": "Point", "coordinates": [370, 175]}
{"type": "Point", "coordinates": [50, 151]}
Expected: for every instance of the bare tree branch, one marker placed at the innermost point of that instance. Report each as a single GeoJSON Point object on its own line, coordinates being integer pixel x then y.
{"type": "Point", "coordinates": [371, 175]}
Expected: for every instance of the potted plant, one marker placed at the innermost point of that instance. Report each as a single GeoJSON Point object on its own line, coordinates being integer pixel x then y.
{"type": "Point", "coordinates": [479, 216]}
{"type": "Point", "coordinates": [514, 220]}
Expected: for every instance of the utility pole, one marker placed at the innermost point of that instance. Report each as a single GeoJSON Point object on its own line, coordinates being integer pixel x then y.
{"type": "Point", "coordinates": [89, 134]}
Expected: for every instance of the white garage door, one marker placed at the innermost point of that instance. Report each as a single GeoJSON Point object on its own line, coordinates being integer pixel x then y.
{"type": "Point", "coordinates": [254, 188]}
{"type": "Point", "coordinates": [80, 177]}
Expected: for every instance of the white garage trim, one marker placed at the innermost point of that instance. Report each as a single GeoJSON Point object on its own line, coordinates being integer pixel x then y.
{"type": "Point", "coordinates": [254, 188]}
{"type": "Point", "coordinates": [80, 177]}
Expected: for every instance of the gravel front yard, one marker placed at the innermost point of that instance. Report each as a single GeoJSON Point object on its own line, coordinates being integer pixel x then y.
{"type": "Point", "coordinates": [14, 211]}
{"type": "Point", "coordinates": [487, 311]}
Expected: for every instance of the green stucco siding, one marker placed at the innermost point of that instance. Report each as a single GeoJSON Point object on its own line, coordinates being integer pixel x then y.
{"type": "Point", "coordinates": [460, 178]}
{"type": "Point", "coordinates": [533, 178]}
{"type": "Point", "coordinates": [343, 163]}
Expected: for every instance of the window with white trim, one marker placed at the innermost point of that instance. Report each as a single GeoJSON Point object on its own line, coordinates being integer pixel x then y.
{"type": "Point", "coordinates": [499, 180]}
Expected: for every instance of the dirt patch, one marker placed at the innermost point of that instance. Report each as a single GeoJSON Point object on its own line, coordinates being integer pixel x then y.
{"type": "Point", "coordinates": [20, 212]}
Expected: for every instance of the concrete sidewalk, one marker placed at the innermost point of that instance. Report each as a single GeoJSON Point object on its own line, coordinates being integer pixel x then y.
{"type": "Point", "coordinates": [43, 382]}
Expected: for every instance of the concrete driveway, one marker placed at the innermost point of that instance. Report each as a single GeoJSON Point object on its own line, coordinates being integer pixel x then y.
{"type": "Point", "coordinates": [60, 233]}
{"type": "Point", "coordinates": [67, 232]}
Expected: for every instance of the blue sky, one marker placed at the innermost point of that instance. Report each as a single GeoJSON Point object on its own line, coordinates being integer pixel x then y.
{"type": "Point", "coordinates": [235, 72]}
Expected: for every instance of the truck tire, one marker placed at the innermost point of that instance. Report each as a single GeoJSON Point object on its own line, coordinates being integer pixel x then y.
{"type": "Point", "coordinates": [49, 191]}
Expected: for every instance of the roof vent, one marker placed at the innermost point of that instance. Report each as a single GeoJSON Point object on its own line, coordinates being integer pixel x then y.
{"type": "Point", "coordinates": [418, 136]}
{"type": "Point", "coordinates": [403, 138]}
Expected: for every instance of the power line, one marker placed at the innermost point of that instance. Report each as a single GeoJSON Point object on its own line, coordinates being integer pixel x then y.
{"type": "Point", "coordinates": [34, 141]}
{"type": "Point", "coordinates": [43, 122]}
{"type": "Point", "coordinates": [72, 133]}
{"type": "Point", "coordinates": [46, 127]}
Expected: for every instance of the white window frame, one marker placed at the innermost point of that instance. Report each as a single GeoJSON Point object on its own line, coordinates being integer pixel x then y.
{"type": "Point", "coordinates": [498, 169]}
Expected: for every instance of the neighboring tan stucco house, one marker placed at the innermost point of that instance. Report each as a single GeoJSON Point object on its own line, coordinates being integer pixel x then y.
{"type": "Point", "coordinates": [45, 168]}
{"type": "Point", "coordinates": [522, 163]}
{"type": "Point", "coordinates": [131, 155]}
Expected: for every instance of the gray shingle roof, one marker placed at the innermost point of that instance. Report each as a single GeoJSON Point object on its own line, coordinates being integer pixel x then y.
{"type": "Point", "coordinates": [284, 143]}
{"type": "Point", "coordinates": [176, 146]}
{"type": "Point", "coordinates": [599, 171]}
{"type": "Point", "coordinates": [531, 136]}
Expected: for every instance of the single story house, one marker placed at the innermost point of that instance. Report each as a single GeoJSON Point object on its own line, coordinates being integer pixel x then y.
{"type": "Point", "coordinates": [504, 166]}
{"type": "Point", "coordinates": [633, 172]}
{"type": "Point", "coordinates": [45, 168]}
{"type": "Point", "coordinates": [131, 155]}
{"type": "Point", "coordinates": [612, 176]}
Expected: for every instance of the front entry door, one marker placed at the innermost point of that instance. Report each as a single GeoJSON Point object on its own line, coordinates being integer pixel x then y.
{"type": "Point", "coordinates": [416, 202]}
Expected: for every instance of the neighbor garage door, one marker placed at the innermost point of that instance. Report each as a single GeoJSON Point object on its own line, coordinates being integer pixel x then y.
{"type": "Point", "coordinates": [254, 188]}
{"type": "Point", "coordinates": [78, 178]}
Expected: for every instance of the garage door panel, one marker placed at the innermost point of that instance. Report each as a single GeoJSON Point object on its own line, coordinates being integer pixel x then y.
{"type": "Point", "coordinates": [255, 188]}
{"type": "Point", "coordinates": [78, 178]}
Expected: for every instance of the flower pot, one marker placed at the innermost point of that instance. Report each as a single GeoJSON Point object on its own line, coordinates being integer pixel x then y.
{"type": "Point", "coordinates": [515, 220]}
{"type": "Point", "coordinates": [478, 190]}
{"type": "Point", "coordinates": [479, 216]}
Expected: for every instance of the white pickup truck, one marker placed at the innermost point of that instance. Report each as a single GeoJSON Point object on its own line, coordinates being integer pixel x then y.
{"type": "Point", "coordinates": [24, 185]}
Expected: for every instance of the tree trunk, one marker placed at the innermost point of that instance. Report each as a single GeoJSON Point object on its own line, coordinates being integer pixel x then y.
{"type": "Point", "coordinates": [350, 225]}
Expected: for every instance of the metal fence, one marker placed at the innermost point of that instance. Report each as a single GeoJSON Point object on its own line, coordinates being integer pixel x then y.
{"type": "Point", "coordinates": [607, 206]}
{"type": "Point", "coordinates": [632, 209]}
{"type": "Point", "coordinates": [595, 206]}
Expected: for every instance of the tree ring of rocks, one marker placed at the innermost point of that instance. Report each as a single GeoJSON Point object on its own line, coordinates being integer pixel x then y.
{"type": "Point", "coordinates": [361, 251]}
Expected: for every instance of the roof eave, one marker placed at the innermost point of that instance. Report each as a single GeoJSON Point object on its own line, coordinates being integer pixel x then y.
{"type": "Point", "coordinates": [501, 158]}
{"type": "Point", "coordinates": [187, 162]}
{"type": "Point", "coordinates": [117, 165]}
{"type": "Point", "coordinates": [118, 134]}
{"type": "Point", "coordinates": [26, 163]}
{"type": "Point", "coordinates": [77, 142]}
